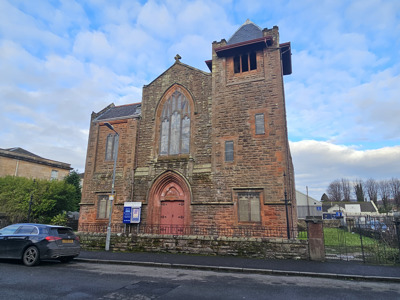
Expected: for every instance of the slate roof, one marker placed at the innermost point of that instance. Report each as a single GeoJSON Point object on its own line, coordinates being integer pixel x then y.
{"type": "Point", "coordinates": [247, 32]}
{"type": "Point", "coordinates": [121, 112]}
{"type": "Point", "coordinates": [22, 154]}
{"type": "Point", "coordinates": [19, 150]}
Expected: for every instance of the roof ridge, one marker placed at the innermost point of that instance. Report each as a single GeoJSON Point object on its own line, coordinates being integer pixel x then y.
{"type": "Point", "coordinates": [130, 104]}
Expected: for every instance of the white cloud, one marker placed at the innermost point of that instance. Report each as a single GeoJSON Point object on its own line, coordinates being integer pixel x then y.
{"type": "Point", "coordinates": [93, 46]}
{"type": "Point", "coordinates": [157, 19]}
{"type": "Point", "coordinates": [319, 163]}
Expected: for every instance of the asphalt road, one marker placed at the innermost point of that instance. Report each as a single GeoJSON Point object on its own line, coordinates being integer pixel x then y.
{"type": "Point", "coordinates": [79, 280]}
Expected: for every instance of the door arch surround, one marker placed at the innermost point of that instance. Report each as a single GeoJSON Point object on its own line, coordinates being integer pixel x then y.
{"type": "Point", "coordinates": [170, 193]}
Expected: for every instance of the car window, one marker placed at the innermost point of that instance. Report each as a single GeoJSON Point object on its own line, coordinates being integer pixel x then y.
{"type": "Point", "coordinates": [9, 229]}
{"type": "Point", "coordinates": [62, 231]}
{"type": "Point", "coordinates": [27, 229]}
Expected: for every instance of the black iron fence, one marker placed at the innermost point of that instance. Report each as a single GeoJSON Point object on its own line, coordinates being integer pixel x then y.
{"type": "Point", "coordinates": [216, 231]}
{"type": "Point", "coordinates": [369, 240]}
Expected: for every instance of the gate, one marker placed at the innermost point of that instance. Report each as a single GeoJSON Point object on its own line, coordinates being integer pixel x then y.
{"type": "Point", "coordinates": [370, 240]}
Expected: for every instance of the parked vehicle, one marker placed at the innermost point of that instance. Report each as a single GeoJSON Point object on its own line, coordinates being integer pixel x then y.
{"type": "Point", "coordinates": [373, 225]}
{"type": "Point", "coordinates": [377, 225]}
{"type": "Point", "coordinates": [35, 242]}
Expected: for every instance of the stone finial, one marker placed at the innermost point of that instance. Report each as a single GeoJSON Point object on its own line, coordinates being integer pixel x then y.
{"type": "Point", "coordinates": [177, 58]}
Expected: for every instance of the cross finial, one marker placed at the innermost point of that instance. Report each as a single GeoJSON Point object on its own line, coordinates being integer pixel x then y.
{"type": "Point", "coordinates": [177, 58]}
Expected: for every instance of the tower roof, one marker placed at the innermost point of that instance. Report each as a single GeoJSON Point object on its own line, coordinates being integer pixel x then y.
{"type": "Point", "coordinates": [248, 31]}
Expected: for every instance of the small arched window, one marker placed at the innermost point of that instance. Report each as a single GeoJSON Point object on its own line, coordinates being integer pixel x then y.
{"type": "Point", "coordinates": [175, 125]}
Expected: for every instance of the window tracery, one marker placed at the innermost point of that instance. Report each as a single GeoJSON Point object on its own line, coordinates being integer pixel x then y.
{"type": "Point", "coordinates": [175, 125]}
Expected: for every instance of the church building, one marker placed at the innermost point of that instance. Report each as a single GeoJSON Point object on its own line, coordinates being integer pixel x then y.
{"type": "Point", "coordinates": [202, 149]}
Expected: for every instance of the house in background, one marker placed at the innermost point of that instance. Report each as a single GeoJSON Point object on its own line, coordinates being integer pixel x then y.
{"type": "Point", "coordinates": [22, 163]}
{"type": "Point", "coordinates": [334, 210]}
{"type": "Point", "coordinates": [307, 206]}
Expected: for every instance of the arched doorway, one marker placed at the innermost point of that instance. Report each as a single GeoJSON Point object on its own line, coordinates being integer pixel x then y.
{"type": "Point", "coordinates": [169, 203]}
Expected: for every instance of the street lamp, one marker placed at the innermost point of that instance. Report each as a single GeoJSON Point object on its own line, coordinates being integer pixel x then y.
{"type": "Point", "coordinates": [30, 202]}
{"type": "Point", "coordinates": [286, 206]}
{"type": "Point", "coordinates": [111, 197]}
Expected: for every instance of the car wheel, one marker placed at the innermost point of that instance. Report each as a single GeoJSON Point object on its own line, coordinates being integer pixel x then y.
{"type": "Point", "coordinates": [31, 256]}
{"type": "Point", "coordinates": [66, 259]}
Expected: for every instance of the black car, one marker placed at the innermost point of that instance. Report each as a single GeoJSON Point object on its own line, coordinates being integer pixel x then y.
{"type": "Point", "coordinates": [34, 242]}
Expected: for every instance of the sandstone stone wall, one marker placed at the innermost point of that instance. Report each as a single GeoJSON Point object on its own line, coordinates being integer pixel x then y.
{"type": "Point", "coordinates": [17, 167]}
{"type": "Point", "coordinates": [99, 171]}
{"type": "Point", "coordinates": [194, 167]}
{"type": "Point", "coordinates": [261, 161]}
{"type": "Point", "coordinates": [247, 247]}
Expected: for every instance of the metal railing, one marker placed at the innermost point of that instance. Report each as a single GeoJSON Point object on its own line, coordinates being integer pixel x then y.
{"type": "Point", "coordinates": [215, 231]}
{"type": "Point", "coordinates": [375, 240]}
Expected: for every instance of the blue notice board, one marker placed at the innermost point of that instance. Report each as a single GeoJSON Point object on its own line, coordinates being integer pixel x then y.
{"type": "Point", "coordinates": [127, 214]}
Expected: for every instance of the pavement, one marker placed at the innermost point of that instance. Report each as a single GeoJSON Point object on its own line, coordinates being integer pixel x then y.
{"type": "Point", "coordinates": [329, 269]}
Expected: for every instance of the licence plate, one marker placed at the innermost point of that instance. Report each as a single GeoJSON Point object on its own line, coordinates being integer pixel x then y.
{"type": "Point", "coordinates": [67, 241]}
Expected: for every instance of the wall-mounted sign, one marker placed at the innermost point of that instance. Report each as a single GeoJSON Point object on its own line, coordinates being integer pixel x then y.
{"type": "Point", "coordinates": [132, 212]}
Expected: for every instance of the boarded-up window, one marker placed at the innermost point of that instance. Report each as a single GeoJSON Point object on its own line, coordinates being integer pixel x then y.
{"type": "Point", "coordinates": [249, 206]}
{"type": "Point", "coordinates": [260, 128]}
{"type": "Point", "coordinates": [111, 146]}
{"type": "Point", "coordinates": [103, 210]}
{"type": "Point", "coordinates": [229, 151]}
{"type": "Point", "coordinates": [175, 126]}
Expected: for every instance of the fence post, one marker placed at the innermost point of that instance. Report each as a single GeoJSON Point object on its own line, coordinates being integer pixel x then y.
{"type": "Point", "coordinates": [397, 223]}
{"type": "Point", "coordinates": [361, 241]}
{"type": "Point", "coordinates": [315, 233]}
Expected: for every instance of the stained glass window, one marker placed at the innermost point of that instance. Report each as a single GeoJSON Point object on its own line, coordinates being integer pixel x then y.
{"type": "Point", "coordinates": [175, 126]}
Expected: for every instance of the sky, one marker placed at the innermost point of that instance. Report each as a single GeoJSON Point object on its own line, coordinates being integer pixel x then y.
{"type": "Point", "coordinates": [60, 60]}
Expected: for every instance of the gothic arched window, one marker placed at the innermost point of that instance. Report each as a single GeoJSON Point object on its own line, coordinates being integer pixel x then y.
{"type": "Point", "coordinates": [175, 125]}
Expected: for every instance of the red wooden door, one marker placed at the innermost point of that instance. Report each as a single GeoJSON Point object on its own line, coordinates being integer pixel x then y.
{"type": "Point", "coordinates": [172, 217]}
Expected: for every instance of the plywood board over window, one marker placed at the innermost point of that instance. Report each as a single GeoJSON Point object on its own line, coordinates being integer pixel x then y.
{"type": "Point", "coordinates": [103, 207]}
{"type": "Point", "coordinates": [249, 205]}
{"type": "Point", "coordinates": [260, 121]}
{"type": "Point", "coordinates": [228, 150]}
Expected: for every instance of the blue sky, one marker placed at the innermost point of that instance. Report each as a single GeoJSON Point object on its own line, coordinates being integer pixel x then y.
{"type": "Point", "coordinates": [61, 60]}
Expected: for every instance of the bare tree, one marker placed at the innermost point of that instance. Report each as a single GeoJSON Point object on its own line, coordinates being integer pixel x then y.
{"type": "Point", "coordinates": [395, 191]}
{"type": "Point", "coordinates": [359, 190]}
{"type": "Point", "coordinates": [372, 189]}
{"type": "Point", "coordinates": [384, 191]}
{"type": "Point", "coordinates": [346, 189]}
{"type": "Point", "coordinates": [335, 191]}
